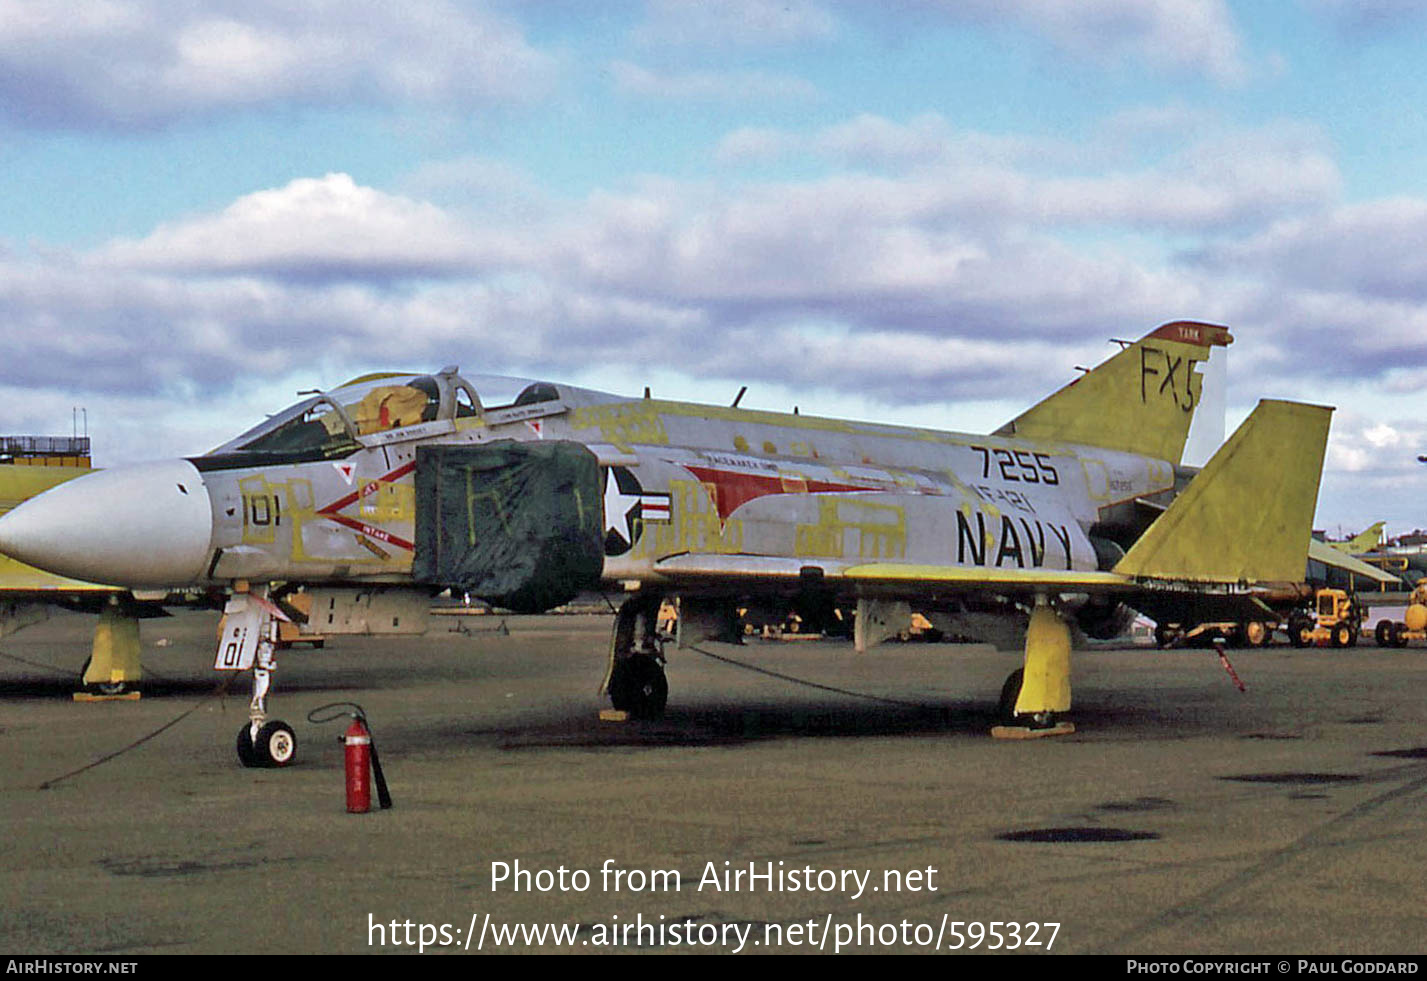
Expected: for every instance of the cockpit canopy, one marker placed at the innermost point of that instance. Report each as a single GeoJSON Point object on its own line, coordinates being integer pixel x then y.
{"type": "Point", "coordinates": [329, 425]}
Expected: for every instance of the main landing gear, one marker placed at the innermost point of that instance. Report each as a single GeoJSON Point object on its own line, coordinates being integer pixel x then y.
{"type": "Point", "coordinates": [635, 680]}
{"type": "Point", "coordinates": [1035, 694]}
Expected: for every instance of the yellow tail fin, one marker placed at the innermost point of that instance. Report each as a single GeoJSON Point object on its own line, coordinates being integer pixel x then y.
{"type": "Point", "coordinates": [1141, 400]}
{"type": "Point", "coordinates": [1363, 541]}
{"type": "Point", "coordinates": [1248, 515]}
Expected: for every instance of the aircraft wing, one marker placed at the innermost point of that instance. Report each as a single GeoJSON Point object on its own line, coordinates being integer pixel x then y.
{"type": "Point", "coordinates": [716, 569]}
{"type": "Point", "coordinates": [18, 580]}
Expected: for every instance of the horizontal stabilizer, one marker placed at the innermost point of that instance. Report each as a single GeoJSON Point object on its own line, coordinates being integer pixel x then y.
{"type": "Point", "coordinates": [1338, 559]}
{"type": "Point", "coordinates": [1248, 515]}
{"type": "Point", "coordinates": [1142, 400]}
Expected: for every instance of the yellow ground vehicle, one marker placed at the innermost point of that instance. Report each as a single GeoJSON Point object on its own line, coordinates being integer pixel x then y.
{"type": "Point", "coordinates": [1413, 625]}
{"type": "Point", "coordinates": [1336, 620]}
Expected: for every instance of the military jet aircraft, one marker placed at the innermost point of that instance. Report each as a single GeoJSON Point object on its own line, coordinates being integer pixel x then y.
{"type": "Point", "coordinates": [374, 495]}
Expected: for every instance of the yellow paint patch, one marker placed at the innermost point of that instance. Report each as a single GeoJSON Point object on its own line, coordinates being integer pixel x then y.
{"type": "Point", "coordinates": [625, 424]}
{"type": "Point", "coordinates": [696, 526]}
{"type": "Point", "coordinates": [879, 530]}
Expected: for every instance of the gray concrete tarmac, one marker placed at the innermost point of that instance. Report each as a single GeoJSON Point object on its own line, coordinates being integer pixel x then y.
{"type": "Point", "coordinates": [1182, 817]}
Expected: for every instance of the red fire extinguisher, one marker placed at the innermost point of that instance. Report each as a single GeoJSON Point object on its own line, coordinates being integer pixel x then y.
{"type": "Point", "coordinates": [359, 768]}
{"type": "Point", "coordinates": [363, 766]}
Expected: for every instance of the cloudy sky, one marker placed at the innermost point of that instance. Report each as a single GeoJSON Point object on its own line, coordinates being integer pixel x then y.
{"type": "Point", "coordinates": [922, 211]}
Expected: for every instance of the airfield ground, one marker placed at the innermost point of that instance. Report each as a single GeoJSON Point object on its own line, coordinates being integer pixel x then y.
{"type": "Point", "coordinates": [1287, 819]}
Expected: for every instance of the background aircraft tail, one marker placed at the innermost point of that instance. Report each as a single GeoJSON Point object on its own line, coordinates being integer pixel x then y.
{"type": "Point", "coordinates": [1142, 400]}
{"type": "Point", "coordinates": [1365, 540]}
{"type": "Point", "coordinates": [1248, 515]}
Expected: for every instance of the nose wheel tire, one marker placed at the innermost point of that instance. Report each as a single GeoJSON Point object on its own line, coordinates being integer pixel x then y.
{"type": "Point", "coordinates": [638, 686]}
{"type": "Point", "coordinates": [246, 755]}
{"type": "Point", "coordinates": [275, 746]}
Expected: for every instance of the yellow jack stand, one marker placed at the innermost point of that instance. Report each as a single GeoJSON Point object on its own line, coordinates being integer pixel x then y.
{"type": "Point", "coordinates": [113, 671]}
{"type": "Point", "coordinates": [1045, 685]}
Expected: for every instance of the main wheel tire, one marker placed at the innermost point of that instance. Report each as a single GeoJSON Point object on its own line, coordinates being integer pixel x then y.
{"type": "Point", "coordinates": [1010, 692]}
{"type": "Point", "coordinates": [638, 686]}
{"type": "Point", "coordinates": [275, 745]}
{"type": "Point", "coordinates": [246, 754]}
{"type": "Point", "coordinates": [1256, 633]}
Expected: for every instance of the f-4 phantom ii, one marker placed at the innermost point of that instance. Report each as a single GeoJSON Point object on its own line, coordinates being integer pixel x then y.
{"type": "Point", "coordinates": [375, 495]}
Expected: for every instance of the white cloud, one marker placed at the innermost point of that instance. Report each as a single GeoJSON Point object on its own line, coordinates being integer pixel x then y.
{"type": "Point", "coordinates": [314, 228]}
{"type": "Point", "coordinates": [1374, 248]}
{"type": "Point", "coordinates": [147, 62]}
{"type": "Point", "coordinates": [1222, 181]}
{"type": "Point", "coordinates": [1374, 16]}
{"type": "Point", "coordinates": [1189, 36]}
{"type": "Point", "coordinates": [944, 282]}
{"type": "Point", "coordinates": [741, 23]}
{"type": "Point", "coordinates": [725, 86]}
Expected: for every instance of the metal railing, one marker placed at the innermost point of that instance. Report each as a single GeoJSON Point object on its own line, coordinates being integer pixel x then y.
{"type": "Point", "coordinates": [44, 445]}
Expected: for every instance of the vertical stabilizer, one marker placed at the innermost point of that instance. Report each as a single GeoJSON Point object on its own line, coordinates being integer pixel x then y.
{"type": "Point", "coordinates": [1141, 400]}
{"type": "Point", "coordinates": [1364, 541]}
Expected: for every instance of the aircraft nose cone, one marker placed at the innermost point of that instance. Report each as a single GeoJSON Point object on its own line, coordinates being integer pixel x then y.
{"type": "Point", "coordinates": [143, 526]}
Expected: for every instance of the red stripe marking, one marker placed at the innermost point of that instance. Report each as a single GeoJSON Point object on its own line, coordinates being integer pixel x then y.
{"type": "Point", "coordinates": [730, 490]}
{"type": "Point", "coordinates": [369, 488]}
{"type": "Point", "coordinates": [366, 490]}
{"type": "Point", "coordinates": [371, 531]}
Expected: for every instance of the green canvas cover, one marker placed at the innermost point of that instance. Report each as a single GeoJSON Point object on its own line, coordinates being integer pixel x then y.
{"type": "Point", "coordinates": [518, 524]}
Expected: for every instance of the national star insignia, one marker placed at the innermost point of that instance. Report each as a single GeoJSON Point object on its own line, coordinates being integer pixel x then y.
{"type": "Point", "coordinates": [617, 508]}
